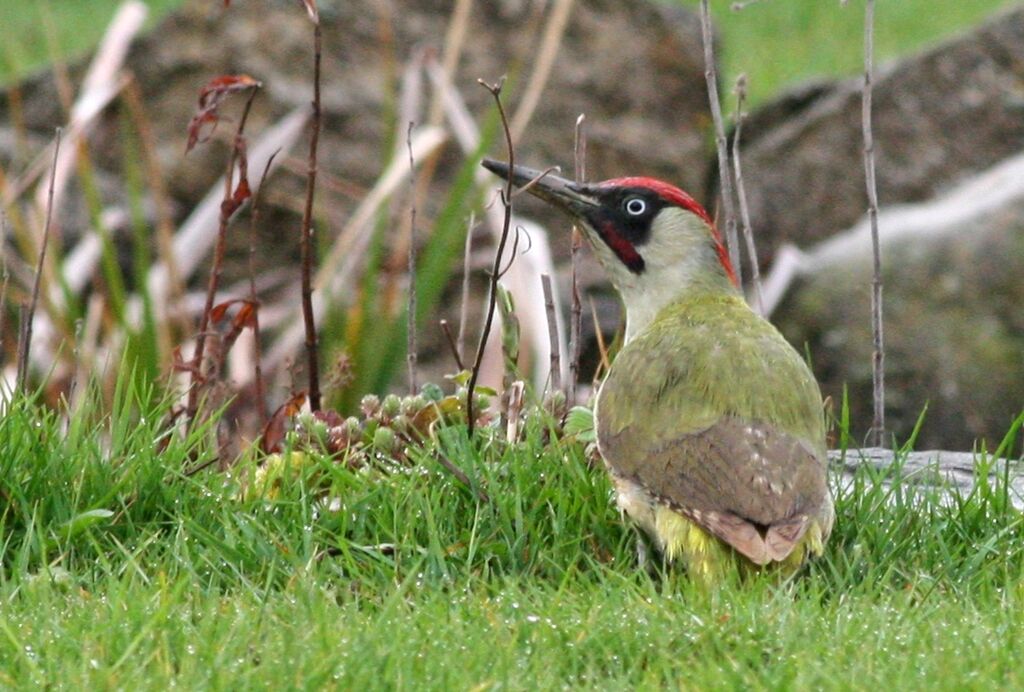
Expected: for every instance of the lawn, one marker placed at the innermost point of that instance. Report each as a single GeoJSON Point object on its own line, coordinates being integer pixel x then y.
{"type": "Point", "coordinates": [117, 570]}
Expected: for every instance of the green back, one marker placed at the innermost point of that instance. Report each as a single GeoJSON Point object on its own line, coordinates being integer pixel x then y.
{"type": "Point", "coordinates": [707, 357]}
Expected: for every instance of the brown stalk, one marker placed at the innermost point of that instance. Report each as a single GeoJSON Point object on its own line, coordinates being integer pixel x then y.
{"type": "Point", "coordinates": [604, 364]}
{"type": "Point", "coordinates": [549, 309]}
{"type": "Point", "coordinates": [576, 311]}
{"type": "Point", "coordinates": [877, 434]}
{"type": "Point", "coordinates": [227, 210]}
{"type": "Point", "coordinates": [261, 390]}
{"type": "Point", "coordinates": [463, 478]}
{"type": "Point", "coordinates": [467, 257]}
{"type": "Point", "coordinates": [446, 329]}
{"type": "Point", "coordinates": [724, 173]}
{"type": "Point", "coordinates": [492, 295]}
{"type": "Point", "coordinates": [4, 277]}
{"type": "Point", "coordinates": [741, 194]}
{"type": "Point", "coordinates": [25, 345]}
{"type": "Point", "coordinates": [410, 354]}
{"type": "Point", "coordinates": [312, 361]}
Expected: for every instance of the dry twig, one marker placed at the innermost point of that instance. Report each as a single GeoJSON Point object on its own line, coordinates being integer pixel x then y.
{"type": "Point", "coordinates": [411, 317]}
{"type": "Point", "coordinates": [233, 196]}
{"type": "Point", "coordinates": [741, 194]}
{"type": "Point", "coordinates": [549, 309]}
{"type": "Point", "coordinates": [724, 173]}
{"type": "Point", "coordinates": [25, 347]}
{"type": "Point", "coordinates": [462, 477]}
{"type": "Point", "coordinates": [492, 297]}
{"type": "Point", "coordinates": [446, 329]}
{"type": "Point", "coordinates": [877, 434]}
{"type": "Point", "coordinates": [576, 310]}
{"type": "Point", "coordinates": [4, 276]}
{"type": "Point", "coordinates": [305, 240]}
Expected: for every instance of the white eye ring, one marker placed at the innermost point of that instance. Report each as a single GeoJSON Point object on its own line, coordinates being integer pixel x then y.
{"type": "Point", "coordinates": [635, 206]}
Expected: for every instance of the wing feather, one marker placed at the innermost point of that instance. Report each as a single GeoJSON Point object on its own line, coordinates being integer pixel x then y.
{"type": "Point", "coordinates": [745, 463]}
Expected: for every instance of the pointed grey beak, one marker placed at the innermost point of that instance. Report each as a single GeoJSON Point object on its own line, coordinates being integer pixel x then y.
{"type": "Point", "coordinates": [562, 193]}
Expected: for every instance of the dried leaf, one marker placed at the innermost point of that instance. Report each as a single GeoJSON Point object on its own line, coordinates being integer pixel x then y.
{"type": "Point", "coordinates": [210, 98]}
{"type": "Point", "coordinates": [273, 433]}
{"type": "Point", "coordinates": [244, 318]}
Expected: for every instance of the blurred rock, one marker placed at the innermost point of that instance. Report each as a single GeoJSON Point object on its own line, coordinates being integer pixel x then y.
{"type": "Point", "coordinates": [954, 323]}
{"type": "Point", "coordinates": [635, 69]}
{"type": "Point", "coordinates": [939, 116]}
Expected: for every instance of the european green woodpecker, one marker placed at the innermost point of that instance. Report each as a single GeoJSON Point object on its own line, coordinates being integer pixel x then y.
{"type": "Point", "coordinates": [709, 422]}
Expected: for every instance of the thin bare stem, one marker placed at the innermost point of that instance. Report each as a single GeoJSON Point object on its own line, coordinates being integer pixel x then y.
{"type": "Point", "coordinates": [549, 309]}
{"type": "Point", "coordinates": [447, 330]}
{"type": "Point", "coordinates": [576, 310]}
{"type": "Point", "coordinates": [227, 209]}
{"type": "Point", "coordinates": [604, 364]}
{"type": "Point", "coordinates": [305, 239]}
{"type": "Point", "coordinates": [877, 434]}
{"type": "Point", "coordinates": [462, 477]}
{"type": "Point", "coordinates": [467, 257]}
{"type": "Point", "coordinates": [724, 173]}
{"type": "Point", "coordinates": [23, 337]}
{"type": "Point", "coordinates": [25, 348]}
{"type": "Point", "coordinates": [492, 296]}
{"type": "Point", "coordinates": [4, 276]}
{"type": "Point", "coordinates": [411, 323]}
{"type": "Point", "coordinates": [261, 390]}
{"type": "Point", "coordinates": [741, 194]}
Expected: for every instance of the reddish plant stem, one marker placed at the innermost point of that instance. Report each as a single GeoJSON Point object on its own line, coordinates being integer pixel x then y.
{"type": "Point", "coordinates": [305, 240]}
{"type": "Point", "coordinates": [492, 296]}
{"type": "Point", "coordinates": [226, 211]}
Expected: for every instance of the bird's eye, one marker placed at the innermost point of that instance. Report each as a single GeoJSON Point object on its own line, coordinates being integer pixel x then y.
{"type": "Point", "coordinates": [635, 206]}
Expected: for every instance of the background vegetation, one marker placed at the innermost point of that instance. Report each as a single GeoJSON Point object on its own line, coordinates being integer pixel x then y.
{"type": "Point", "coordinates": [775, 42]}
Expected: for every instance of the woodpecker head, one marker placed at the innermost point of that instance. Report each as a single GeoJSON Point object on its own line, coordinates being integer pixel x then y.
{"type": "Point", "coordinates": [655, 241]}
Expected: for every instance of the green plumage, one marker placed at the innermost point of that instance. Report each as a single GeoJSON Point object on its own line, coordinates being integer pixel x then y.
{"type": "Point", "coordinates": [706, 357]}
{"type": "Point", "coordinates": [709, 422]}
{"type": "Point", "coordinates": [715, 417]}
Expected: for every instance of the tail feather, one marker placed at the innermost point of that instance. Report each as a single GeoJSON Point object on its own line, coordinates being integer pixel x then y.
{"type": "Point", "coordinates": [759, 543]}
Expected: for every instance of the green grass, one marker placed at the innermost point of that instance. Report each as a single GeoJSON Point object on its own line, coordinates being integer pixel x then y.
{"type": "Point", "coordinates": [32, 34]}
{"type": "Point", "coordinates": [779, 43]}
{"type": "Point", "coordinates": [117, 571]}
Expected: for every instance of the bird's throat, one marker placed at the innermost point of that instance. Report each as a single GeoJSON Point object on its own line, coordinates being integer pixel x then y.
{"type": "Point", "coordinates": [622, 248]}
